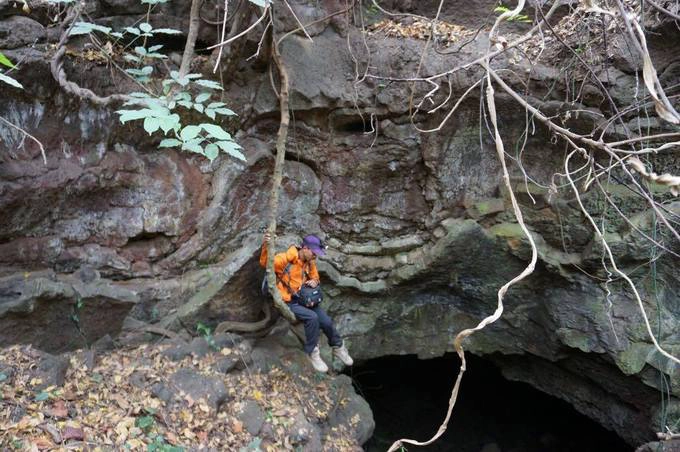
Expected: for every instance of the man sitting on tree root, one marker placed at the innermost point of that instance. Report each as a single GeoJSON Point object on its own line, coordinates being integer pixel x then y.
{"type": "Point", "coordinates": [296, 269]}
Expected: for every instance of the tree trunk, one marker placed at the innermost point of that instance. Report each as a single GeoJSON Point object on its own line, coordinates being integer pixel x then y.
{"type": "Point", "coordinates": [281, 138]}
{"type": "Point", "coordinates": [194, 23]}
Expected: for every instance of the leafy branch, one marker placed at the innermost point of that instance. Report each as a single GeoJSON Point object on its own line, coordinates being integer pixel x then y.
{"type": "Point", "coordinates": [161, 113]}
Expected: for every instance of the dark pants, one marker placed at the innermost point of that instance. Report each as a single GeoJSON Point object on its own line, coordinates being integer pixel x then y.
{"type": "Point", "coordinates": [313, 319]}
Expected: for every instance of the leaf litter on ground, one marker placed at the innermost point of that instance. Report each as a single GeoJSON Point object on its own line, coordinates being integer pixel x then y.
{"type": "Point", "coordinates": [102, 409]}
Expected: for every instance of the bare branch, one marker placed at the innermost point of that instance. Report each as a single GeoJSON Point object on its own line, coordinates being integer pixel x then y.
{"type": "Point", "coordinates": [244, 32]}
{"type": "Point", "coordinates": [663, 10]}
{"type": "Point", "coordinates": [224, 29]}
{"type": "Point", "coordinates": [663, 106]}
{"type": "Point", "coordinates": [613, 263]}
{"type": "Point", "coordinates": [40, 145]}
{"type": "Point", "coordinates": [298, 20]}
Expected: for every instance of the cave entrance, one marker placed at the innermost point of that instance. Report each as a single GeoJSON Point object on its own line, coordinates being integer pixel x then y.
{"type": "Point", "coordinates": [409, 398]}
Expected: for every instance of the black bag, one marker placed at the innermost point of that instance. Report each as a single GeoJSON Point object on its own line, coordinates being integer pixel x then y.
{"type": "Point", "coordinates": [309, 297]}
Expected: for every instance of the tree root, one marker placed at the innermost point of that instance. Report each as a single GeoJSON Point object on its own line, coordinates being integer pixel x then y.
{"type": "Point", "coordinates": [57, 69]}
{"type": "Point", "coordinates": [281, 137]}
{"type": "Point", "coordinates": [247, 327]}
{"type": "Point", "coordinates": [160, 331]}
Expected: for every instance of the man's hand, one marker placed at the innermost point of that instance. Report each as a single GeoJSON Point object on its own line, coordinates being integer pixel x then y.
{"type": "Point", "coordinates": [267, 237]}
{"type": "Point", "coordinates": [312, 283]}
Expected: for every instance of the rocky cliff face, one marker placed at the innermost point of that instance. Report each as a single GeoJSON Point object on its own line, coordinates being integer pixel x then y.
{"type": "Point", "coordinates": [420, 228]}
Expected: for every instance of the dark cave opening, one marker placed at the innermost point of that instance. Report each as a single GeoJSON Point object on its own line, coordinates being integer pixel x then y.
{"type": "Point", "coordinates": [409, 398]}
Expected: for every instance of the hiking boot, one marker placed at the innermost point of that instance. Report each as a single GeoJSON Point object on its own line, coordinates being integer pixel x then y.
{"type": "Point", "coordinates": [317, 362]}
{"type": "Point", "coordinates": [343, 355]}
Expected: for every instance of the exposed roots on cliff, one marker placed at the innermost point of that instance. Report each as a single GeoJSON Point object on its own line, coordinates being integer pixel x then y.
{"type": "Point", "coordinates": [247, 327]}
{"type": "Point", "coordinates": [57, 68]}
{"type": "Point", "coordinates": [620, 159]}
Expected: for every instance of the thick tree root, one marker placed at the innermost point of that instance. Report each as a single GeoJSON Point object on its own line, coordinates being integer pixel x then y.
{"type": "Point", "coordinates": [247, 327]}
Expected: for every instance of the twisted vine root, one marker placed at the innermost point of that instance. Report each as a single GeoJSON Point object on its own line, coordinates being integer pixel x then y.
{"type": "Point", "coordinates": [247, 327]}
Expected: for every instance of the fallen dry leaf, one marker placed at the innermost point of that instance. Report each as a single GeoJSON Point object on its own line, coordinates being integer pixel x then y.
{"type": "Point", "coordinates": [43, 443]}
{"type": "Point", "coordinates": [237, 426]}
{"type": "Point", "coordinates": [58, 410]}
{"type": "Point", "coordinates": [73, 433]}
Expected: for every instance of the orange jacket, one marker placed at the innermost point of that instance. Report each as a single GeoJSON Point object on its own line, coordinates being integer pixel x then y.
{"type": "Point", "coordinates": [298, 274]}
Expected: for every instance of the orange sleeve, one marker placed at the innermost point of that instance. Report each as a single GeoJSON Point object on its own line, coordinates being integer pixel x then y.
{"type": "Point", "coordinates": [280, 260]}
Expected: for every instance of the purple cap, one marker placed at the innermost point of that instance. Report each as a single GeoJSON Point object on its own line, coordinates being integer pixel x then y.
{"type": "Point", "coordinates": [315, 244]}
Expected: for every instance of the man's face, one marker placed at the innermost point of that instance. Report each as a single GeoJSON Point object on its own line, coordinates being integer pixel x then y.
{"type": "Point", "coordinates": [307, 255]}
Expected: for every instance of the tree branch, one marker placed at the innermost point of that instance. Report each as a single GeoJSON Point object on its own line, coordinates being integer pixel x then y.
{"type": "Point", "coordinates": [42, 149]}
{"type": "Point", "coordinates": [194, 23]}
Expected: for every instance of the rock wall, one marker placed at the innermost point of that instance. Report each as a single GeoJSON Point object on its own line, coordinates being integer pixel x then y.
{"type": "Point", "coordinates": [419, 225]}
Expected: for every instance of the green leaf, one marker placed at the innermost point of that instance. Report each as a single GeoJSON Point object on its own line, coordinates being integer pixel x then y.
{"type": "Point", "coordinates": [216, 104]}
{"type": "Point", "coordinates": [139, 74]}
{"type": "Point", "coordinates": [169, 122]}
{"type": "Point", "coordinates": [147, 70]}
{"type": "Point", "coordinates": [10, 81]}
{"type": "Point", "coordinates": [145, 27]}
{"type": "Point", "coordinates": [117, 34]}
{"type": "Point", "coordinates": [76, 31]}
{"type": "Point", "coordinates": [83, 28]}
{"type": "Point", "coordinates": [151, 124]}
{"type": "Point", "coordinates": [145, 422]}
{"type": "Point", "coordinates": [185, 103]}
{"type": "Point", "coordinates": [260, 3]}
{"type": "Point", "coordinates": [167, 31]}
{"type": "Point", "coordinates": [210, 112]}
{"type": "Point", "coordinates": [132, 58]}
{"type": "Point", "coordinates": [156, 47]}
{"type": "Point", "coordinates": [225, 111]}
{"type": "Point", "coordinates": [42, 396]}
{"type": "Point", "coordinates": [193, 145]}
{"type": "Point", "coordinates": [158, 107]}
{"type": "Point", "coordinates": [5, 61]}
{"type": "Point", "coordinates": [189, 132]}
{"type": "Point", "coordinates": [212, 151]}
{"type": "Point", "coordinates": [140, 50]}
{"type": "Point", "coordinates": [101, 28]}
{"type": "Point", "coordinates": [169, 143]}
{"type": "Point", "coordinates": [198, 108]}
{"type": "Point", "coordinates": [202, 97]}
{"type": "Point", "coordinates": [166, 85]}
{"type": "Point", "coordinates": [216, 131]}
{"type": "Point", "coordinates": [193, 76]}
{"type": "Point", "coordinates": [131, 115]}
{"type": "Point", "coordinates": [133, 30]}
{"type": "Point", "coordinates": [232, 148]}
{"type": "Point", "coordinates": [209, 84]}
